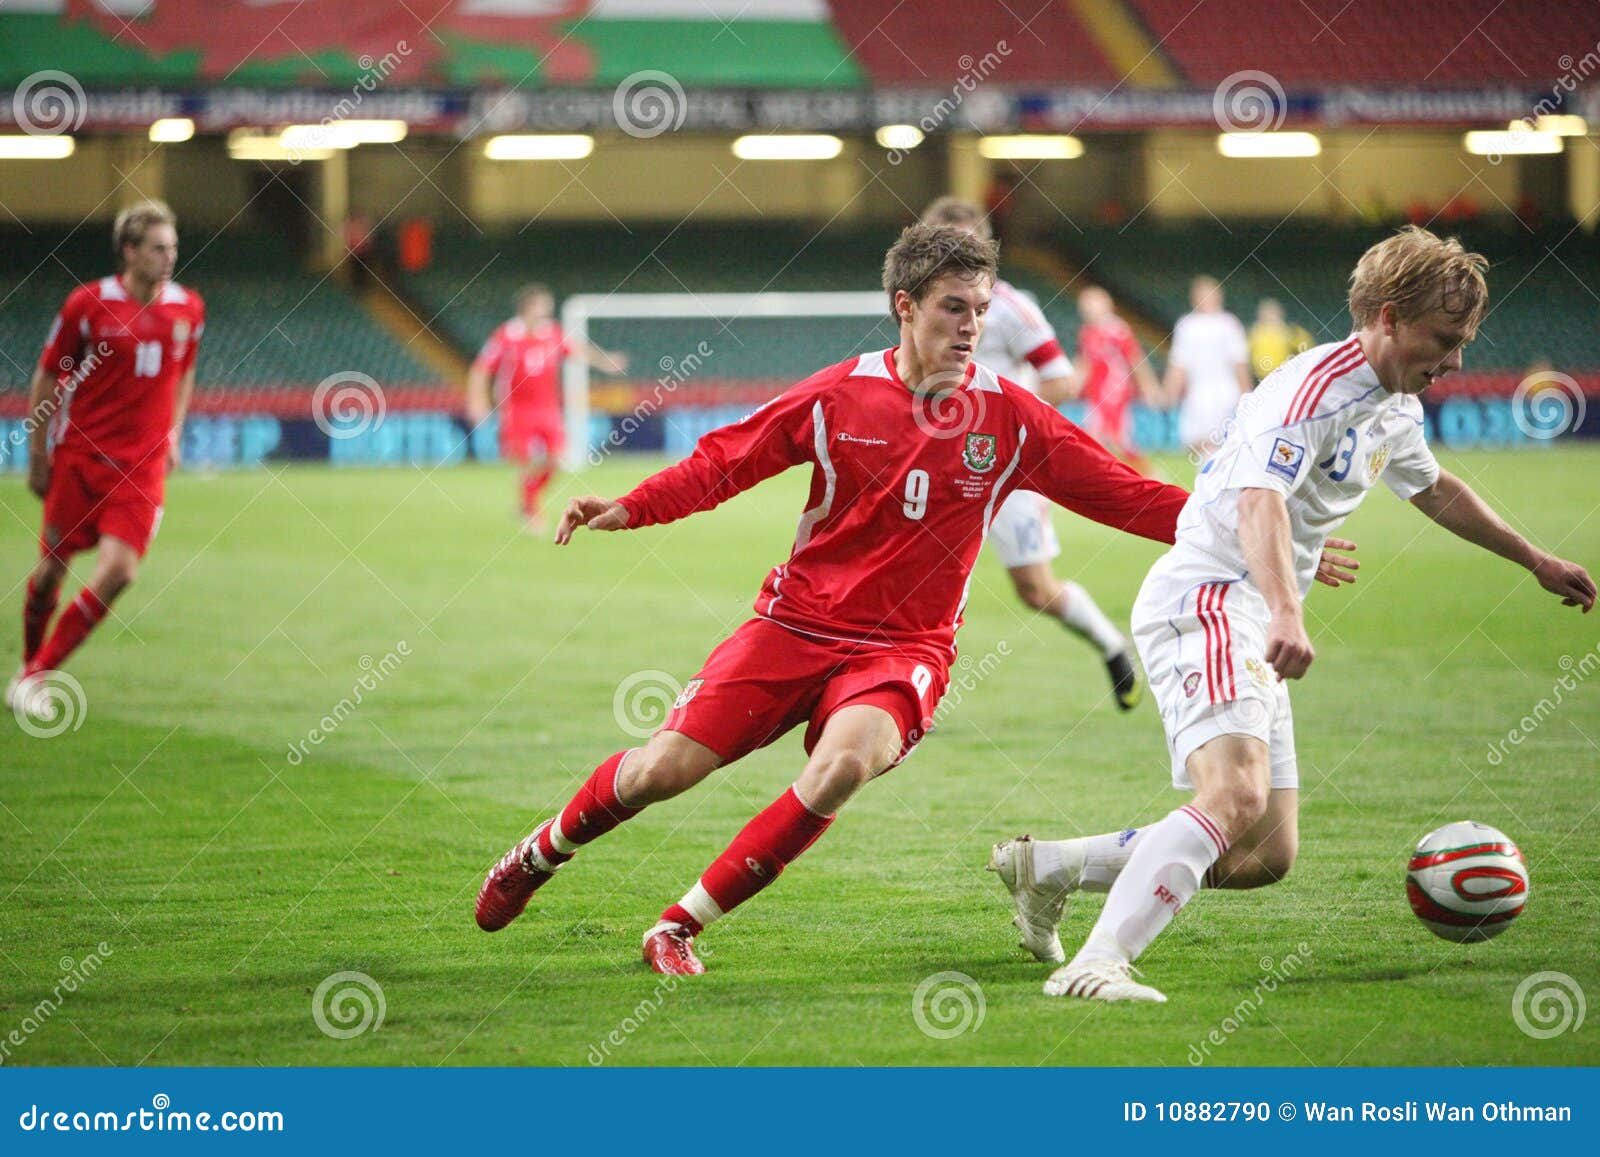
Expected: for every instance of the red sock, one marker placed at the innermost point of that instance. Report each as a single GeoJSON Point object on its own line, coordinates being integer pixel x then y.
{"type": "Point", "coordinates": [758, 854]}
{"type": "Point", "coordinates": [593, 812]}
{"type": "Point", "coordinates": [36, 611]}
{"type": "Point", "coordinates": [74, 624]}
{"type": "Point", "coordinates": [533, 484]}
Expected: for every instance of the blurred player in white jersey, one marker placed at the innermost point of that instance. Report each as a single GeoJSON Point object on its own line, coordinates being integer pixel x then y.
{"type": "Point", "coordinates": [1208, 369]}
{"type": "Point", "coordinates": [1016, 340]}
{"type": "Point", "coordinates": [1219, 623]}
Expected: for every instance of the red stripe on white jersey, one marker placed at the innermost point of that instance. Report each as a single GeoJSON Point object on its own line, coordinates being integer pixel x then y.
{"type": "Point", "coordinates": [1200, 607]}
{"type": "Point", "coordinates": [1340, 362]}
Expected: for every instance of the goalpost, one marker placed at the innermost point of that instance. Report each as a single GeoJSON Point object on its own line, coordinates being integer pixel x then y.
{"type": "Point", "coordinates": [701, 337]}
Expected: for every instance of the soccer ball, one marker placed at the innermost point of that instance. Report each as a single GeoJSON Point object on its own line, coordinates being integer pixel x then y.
{"type": "Point", "coordinates": [1466, 882]}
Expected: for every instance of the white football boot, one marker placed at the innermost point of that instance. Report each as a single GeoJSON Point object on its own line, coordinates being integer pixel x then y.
{"type": "Point", "coordinates": [1039, 906]}
{"type": "Point", "coordinates": [1101, 980]}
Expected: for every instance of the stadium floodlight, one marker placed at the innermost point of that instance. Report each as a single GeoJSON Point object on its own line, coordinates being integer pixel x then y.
{"type": "Point", "coordinates": [539, 147]}
{"type": "Point", "coordinates": [787, 147]}
{"type": "Point", "coordinates": [1269, 144]}
{"type": "Point", "coordinates": [1561, 125]}
{"type": "Point", "coordinates": [739, 324]}
{"type": "Point", "coordinates": [900, 137]}
{"type": "Point", "coordinates": [171, 130]}
{"type": "Point", "coordinates": [1031, 147]}
{"type": "Point", "coordinates": [32, 148]}
{"type": "Point", "coordinates": [343, 134]}
{"type": "Point", "coordinates": [255, 145]}
{"type": "Point", "coordinates": [1521, 141]}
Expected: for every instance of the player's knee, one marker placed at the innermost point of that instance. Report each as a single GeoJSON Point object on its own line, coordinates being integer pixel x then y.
{"type": "Point", "coordinates": [658, 771]}
{"type": "Point", "coordinates": [112, 578]}
{"type": "Point", "coordinates": [1035, 594]}
{"type": "Point", "coordinates": [48, 575]}
{"type": "Point", "coordinates": [1238, 805]}
{"type": "Point", "coordinates": [829, 780]}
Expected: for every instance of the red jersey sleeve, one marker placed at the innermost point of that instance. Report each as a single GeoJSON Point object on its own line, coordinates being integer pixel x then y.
{"type": "Point", "coordinates": [493, 350]}
{"type": "Point", "coordinates": [730, 459]}
{"type": "Point", "coordinates": [64, 343]}
{"type": "Point", "coordinates": [1071, 469]}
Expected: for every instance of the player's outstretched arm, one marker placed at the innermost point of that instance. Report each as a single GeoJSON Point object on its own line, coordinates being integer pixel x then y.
{"type": "Point", "coordinates": [1456, 506]}
{"type": "Point", "coordinates": [594, 512]}
{"type": "Point", "coordinates": [1268, 546]}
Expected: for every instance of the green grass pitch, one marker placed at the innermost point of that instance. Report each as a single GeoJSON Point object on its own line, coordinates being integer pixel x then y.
{"type": "Point", "coordinates": [231, 851]}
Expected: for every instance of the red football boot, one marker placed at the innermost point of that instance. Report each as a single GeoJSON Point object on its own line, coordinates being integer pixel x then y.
{"type": "Point", "coordinates": [669, 950]}
{"type": "Point", "coordinates": [511, 884]}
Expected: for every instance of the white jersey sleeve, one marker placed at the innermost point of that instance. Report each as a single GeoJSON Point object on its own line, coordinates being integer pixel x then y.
{"type": "Point", "coordinates": [1412, 467]}
{"type": "Point", "coordinates": [1022, 334]}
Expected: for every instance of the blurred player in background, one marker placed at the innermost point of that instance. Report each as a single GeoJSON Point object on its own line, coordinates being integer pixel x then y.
{"type": "Point", "coordinates": [1208, 369]}
{"type": "Point", "coordinates": [1112, 371]}
{"type": "Point", "coordinates": [106, 409]}
{"type": "Point", "coordinates": [1219, 620]}
{"type": "Point", "coordinates": [910, 451]}
{"type": "Point", "coordinates": [522, 359]}
{"type": "Point", "coordinates": [1273, 340]}
{"type": "Point", "coordinates": [1017, 341]}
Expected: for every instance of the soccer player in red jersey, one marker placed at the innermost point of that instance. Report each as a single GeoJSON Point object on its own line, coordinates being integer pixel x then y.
{"type": "Point", "coordinates": [523, 358]}
{"type": "Point", "coordinates": [1113, 370]}
{"type": "Point", "coordinates": [911, 451]}
{"type": "Point", "coordinates": [106, 409]}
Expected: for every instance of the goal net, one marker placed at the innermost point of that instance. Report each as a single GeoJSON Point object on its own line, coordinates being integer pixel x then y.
{"type": "Point", "coordinates": [697, 361]}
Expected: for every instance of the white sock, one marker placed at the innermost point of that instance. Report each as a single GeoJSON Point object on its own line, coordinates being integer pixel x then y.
{"type": "Point", "coordinates": [1079, 612]}
{"type": "Point", "coordinates": [1092, 863]}
{"type": "Point", "coordinates": [1163, 874]}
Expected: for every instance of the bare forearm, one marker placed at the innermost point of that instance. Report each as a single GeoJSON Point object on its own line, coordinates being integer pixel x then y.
{"type": "Point", "coordinates": [41, 391]}
{"type": "Point", "coordinates": [180, 408]}
{"type": "Point", "coordinates": [1058, 390]}
{"type": "Point", "coordinates": [478, 390]}
{"type": "Point", "coordinates": [1456, 506]}
{"type": "Point", "coordinates": [1268, 546]}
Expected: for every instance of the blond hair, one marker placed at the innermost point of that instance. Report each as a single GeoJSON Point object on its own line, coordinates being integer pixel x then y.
{"type": "Point", "coordinates": [960, 213]}
{"type": "Point", "coordinates": [133, 222]}
{"type": "Point", "coordinates": [1417, 272]}
{"type": "Point", "coordinates": [924, 253]}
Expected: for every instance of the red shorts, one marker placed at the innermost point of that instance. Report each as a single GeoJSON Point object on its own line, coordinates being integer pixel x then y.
{"type": "Point", "coordinates": [89, 498]}
{"type": "Point", "coordinates": [764, 680]}
{"type": "Point", "coordinates": [533, 439]}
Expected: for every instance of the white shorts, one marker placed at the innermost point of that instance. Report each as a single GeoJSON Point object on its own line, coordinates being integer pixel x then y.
{"type": "Point", "coordinates": [1022, 532]}
{"type": "Point", "coordinates": [1201, 632]}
